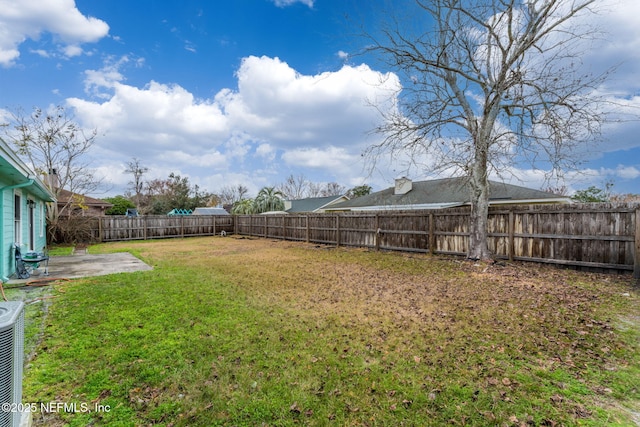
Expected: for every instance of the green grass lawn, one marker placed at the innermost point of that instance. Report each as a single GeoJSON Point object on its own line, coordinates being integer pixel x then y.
{"type": "Point", "coordinates": [249, 332]}
{"type": "Point", "coordinates": [59, 250]}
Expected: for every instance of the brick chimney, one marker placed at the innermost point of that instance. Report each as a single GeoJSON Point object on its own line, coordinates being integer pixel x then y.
{"type": "Point", "coordinates": [54, 181]}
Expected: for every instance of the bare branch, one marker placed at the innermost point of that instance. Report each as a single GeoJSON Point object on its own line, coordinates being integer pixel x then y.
{"type": "Point", "coordinates": [488, 84]}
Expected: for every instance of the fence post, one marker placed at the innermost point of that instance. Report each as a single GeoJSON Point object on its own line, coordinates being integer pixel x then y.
{"type": "Point", "coordinates": [284, 227]}
{"type": "Point", "coordinates": [377, 231]}
{"type": "Point", "coordinates": [636, 256]}
{"type": "Point", "coordinates": [337, 229]}
{"type": "Point", "coordinates": [511, 232]}
{"type": "Point", "coordinates": [432, 234]}
{"type": "Point", "coordinates": [307, 216]}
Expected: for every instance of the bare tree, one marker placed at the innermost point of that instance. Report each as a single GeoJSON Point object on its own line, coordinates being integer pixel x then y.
{"type": "Point", "coordinates": [229, 194]}
{"type": "Point", "coordinates": [299, 187]}
{"type": "Point", "coordinates": [490, 83]}
{"type": "Point", "coordinates": [56, 148]}
{"type": "Point", "coordinates": [135, 168]}
{"type": "Point", "coordinates": [625, 198]}
{"type": "Point", "coordinates": [333, 189]}
{"type": "Point", "coordinates": [294, 187]}
{"type": "Point", "coordinates": [314, 189]}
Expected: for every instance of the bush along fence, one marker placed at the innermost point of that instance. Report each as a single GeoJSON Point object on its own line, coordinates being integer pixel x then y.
{"type": "Point", "coordinates": [598, 236]}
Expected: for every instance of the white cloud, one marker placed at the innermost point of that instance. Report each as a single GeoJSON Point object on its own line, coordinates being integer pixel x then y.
{"type": "Point", "coordinates": [338, 161]}
{"type": "Point", "coordinates": [620, 172]}
{"type": "Point", "coordinates": [285, 3]}
{"type": "Point", "coordinates": [628, 172]}
{"type": "Point", "coordinates": [573, 180]}
{"type": "Point", "coordinates": [212, 159]}
{"type": "Point", "coordinates": [619, 21]}
{"type": "Point", "coordinates": [157, 116]}
{"type": "Point", "coordinates": [277, 116]}
{"type": "Point", "coordinates": [238, 145]}
{"type": "Point", "coordinates": [277, 103]}
{"type": "Point", "coordinates": [266, 151]}
{"type": "Point", "coordinates": [72, 50]}
{"type": "Point", "coordinates": [41, 52]}
{"type": "Point", "coordinates": [29, 19]}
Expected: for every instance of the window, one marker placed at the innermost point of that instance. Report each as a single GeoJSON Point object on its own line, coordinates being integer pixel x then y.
{"type": "Point", "coordinates": [17, 214]}
{"type": "Point", "coordinates": [41, 224]}
{"type": "Point", "coordinates": [31, 217]}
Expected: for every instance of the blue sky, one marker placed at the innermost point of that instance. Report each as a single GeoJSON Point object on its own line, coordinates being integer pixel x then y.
{"type": "Point", "coordinates": [249, 91]}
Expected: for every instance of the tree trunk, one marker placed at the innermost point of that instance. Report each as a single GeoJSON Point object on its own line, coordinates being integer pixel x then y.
{"type": "Point", "coordinates": [478, 234]}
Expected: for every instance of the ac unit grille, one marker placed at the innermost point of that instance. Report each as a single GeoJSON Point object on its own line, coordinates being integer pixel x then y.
{"type": "Point", "coordinates": [11, 359]}
{"type": "Point", "coordinates": [6, 373]}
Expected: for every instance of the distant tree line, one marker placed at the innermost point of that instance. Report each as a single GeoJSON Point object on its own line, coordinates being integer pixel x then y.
{"type": "Point", "coordinates": [160, 196]}
{"type": "Point", "coordinates": [293, 188]}
{"type": "Point", "coordinates": [594, 194]}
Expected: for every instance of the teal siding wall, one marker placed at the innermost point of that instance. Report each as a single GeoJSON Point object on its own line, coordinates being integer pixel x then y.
{"type": "Point", "coordinates": [7, 232]}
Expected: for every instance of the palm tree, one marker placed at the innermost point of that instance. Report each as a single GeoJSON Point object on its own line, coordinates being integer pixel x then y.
{"type": "Point", "coordinates": [244, 207]}
{"type": "Point", "coordinates": [269, 199]}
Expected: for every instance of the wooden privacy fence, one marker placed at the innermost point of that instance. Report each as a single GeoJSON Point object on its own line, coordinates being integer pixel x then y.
{"type": "Point", "coordinates": [599, 236]}
{"type": "Point", "coordinates": [114, 228]}
{"type": "Point", "coordinates": [592, 236]}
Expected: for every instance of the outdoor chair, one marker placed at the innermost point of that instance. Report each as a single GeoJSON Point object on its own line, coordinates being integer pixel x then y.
{"type": "Point", "coordinates": [25, 264]}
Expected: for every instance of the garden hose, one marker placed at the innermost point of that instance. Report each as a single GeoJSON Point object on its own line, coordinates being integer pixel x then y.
{"type": "Point", "coordinates": [34, 283]}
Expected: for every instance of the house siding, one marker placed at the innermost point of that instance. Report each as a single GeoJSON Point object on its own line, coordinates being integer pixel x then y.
{"type": "Point", "coordinates": [27, 191]}
{"type": "Point", "coordinates": [6, 230]}
{"type": "Point", "coordinates": [17, 179]}
{"type": "Point", "coordinates": [8, 237]}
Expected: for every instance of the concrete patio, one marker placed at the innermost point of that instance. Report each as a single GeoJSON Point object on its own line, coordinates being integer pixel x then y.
{"type": "Point", "coordinates": [81, 264]}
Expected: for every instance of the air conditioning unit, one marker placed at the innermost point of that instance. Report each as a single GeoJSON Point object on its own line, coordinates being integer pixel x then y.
{"type": "Point", "coordinates": [11, 361]}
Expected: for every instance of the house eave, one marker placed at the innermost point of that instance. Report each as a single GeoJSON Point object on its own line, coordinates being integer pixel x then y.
{"type": "Point", "coordinates": [327, 206]}
{"type": "Point", "coordinates": [22, 175]}
{"type": "Point", "coordinates": [552, 200]}
{"type": "Point", "coordinates": [414, 207]}
{"type": "Point", "coordinates": [432, 206]}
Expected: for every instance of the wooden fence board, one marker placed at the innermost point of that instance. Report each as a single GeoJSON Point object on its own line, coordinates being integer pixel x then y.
{"type": "Point", "coordinates": [591, 235]}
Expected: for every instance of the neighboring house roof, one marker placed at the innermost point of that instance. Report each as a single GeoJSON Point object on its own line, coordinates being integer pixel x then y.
{"type": "Point", "coordinates": [313, 204]}
{"type": "Point", "coordinates": [443, 193]}
{"type": "Point", "coordinates": [65, 196]}
{"type": "Point", "coordinates": [15, 173]}
{"type": "Point", "coordinates": [209, 211]}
